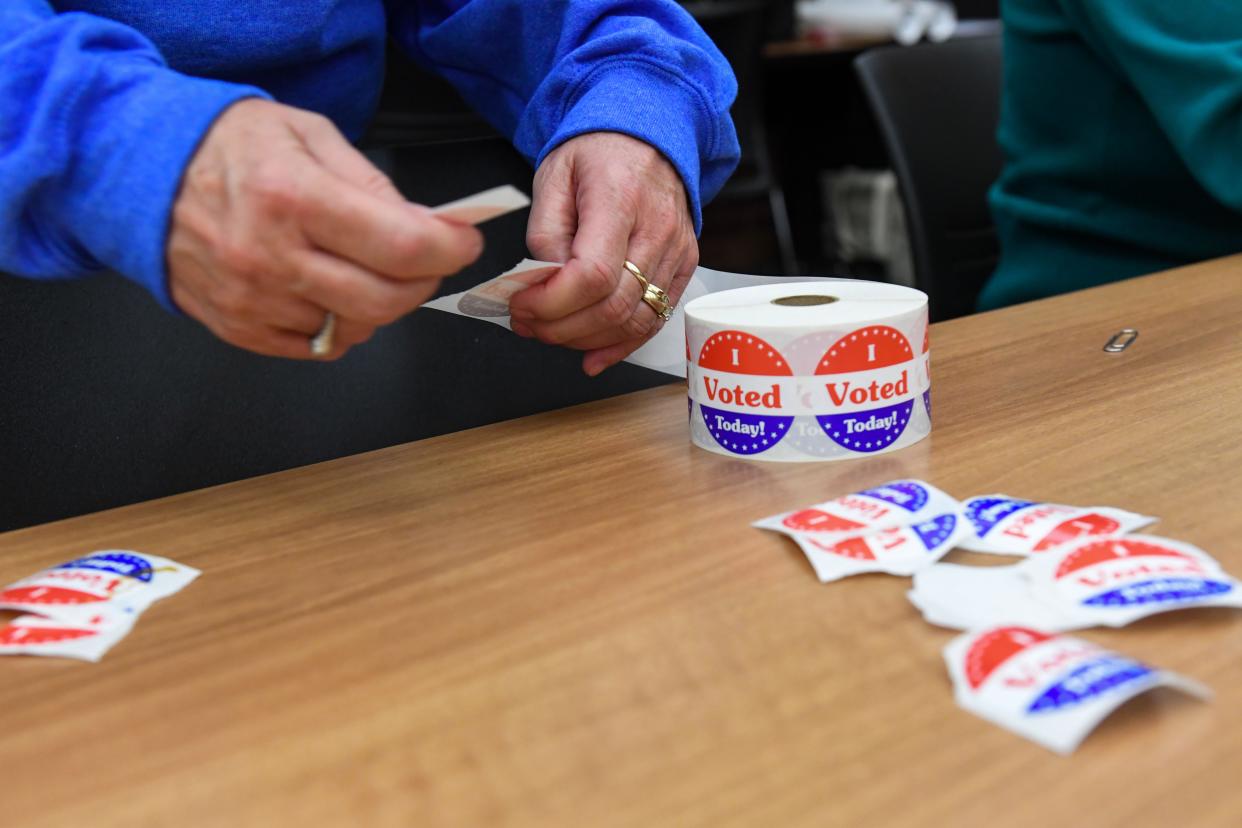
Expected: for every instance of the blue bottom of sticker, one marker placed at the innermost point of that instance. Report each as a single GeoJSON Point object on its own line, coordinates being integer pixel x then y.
{"type": "Point", "coordinates": [130, 566]}
{"type": "Point", "coordinates": [935, 531]}
{"type": "Point", "coordinates": [867, 431]}
{"type": "Point", "coordinates": [1088, 681]}
{"type": "Point", "coordinates": [740, 433]}
{"type": "Point", "coordinates": [1159, 591]}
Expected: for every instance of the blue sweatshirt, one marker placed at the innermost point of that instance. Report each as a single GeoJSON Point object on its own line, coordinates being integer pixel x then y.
{"type": "Point", "coordinates": [104, 102]}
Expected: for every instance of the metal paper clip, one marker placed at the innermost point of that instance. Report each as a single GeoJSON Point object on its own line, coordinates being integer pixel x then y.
{"type": "Point", "coordinates": [1121, 340]}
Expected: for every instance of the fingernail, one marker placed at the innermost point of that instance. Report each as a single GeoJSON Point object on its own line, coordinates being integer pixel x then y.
{"type": "Point", "coordinates": [521, 330]}
{"type": "Point", "coordinates": [593, 369]}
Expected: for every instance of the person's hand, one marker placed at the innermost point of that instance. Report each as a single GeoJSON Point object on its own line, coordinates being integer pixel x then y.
{"type": "Point", "coordinates": [279, 221]}
{"type": "Point", "coordinates": [601, 199]}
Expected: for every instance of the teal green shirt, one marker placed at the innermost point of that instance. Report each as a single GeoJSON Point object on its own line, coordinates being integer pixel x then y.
{"type": "Point", "coordinates": [1121, 126]}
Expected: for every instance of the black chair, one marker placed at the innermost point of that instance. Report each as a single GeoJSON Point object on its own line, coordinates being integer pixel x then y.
{"type": "Point", "coordinates": [738, 27]}
{"type": "Point", "coordinates": [938, 107]}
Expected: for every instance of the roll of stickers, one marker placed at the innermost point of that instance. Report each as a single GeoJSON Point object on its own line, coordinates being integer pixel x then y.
{"type": "Point", "coordinates": [809, 371]}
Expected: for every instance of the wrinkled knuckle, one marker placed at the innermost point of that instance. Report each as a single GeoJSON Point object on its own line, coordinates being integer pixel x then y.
{"type": "Point", "coordinates": [692, 259]}
{"type": "Point", "coordinates": [598, 279]}
{"type": "Point", "coordinates": [548, 335]}
{"type": "Point", "coordinates": [617, 309]}
{"type": "Point", "coordinates": [409, 242]}
{"type": "Point", "coordinates": [274, 191]}
{"type": "Point", "coordinates": [317, 121]}
{"type": "Point", "coordinates": [538, 241]}
{"type": "Point", "coordinates": [637, 327]}
{"type": "Point", "coordinates": [234, 302]}
{"type": "Point", "coordinates": [235, 332]}
{"type": "Point", "coordinates": [375, 181]}
{"type": "Point", "coordinates": [375, 312]}
{"type": "Point", "coordinates": [241, 259]}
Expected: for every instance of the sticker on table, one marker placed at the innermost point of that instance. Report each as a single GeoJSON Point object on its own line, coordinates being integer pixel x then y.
{"type": "Point", "coordinates": [1051, 689]}
{"type": "Point", "coordinates": [1010, 526]}
{"type": "Point", "coordinates": [867, 378]}
{"type": "Point", "coordinates": [1116, 581]}
{"type": "Point", "coordinates": [115, 578]}
{"type": "Point", "coordinates": [87, 639]}
{"type": "Point", "coordinates": [901, 550]}
{"type": "Point", "coordinates": [897, 527]}
{"type": "Point", "coordinates": [742, 392]}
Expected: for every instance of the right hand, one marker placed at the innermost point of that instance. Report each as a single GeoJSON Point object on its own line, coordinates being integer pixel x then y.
{"type": "Point", "coordinates": [280, 220]}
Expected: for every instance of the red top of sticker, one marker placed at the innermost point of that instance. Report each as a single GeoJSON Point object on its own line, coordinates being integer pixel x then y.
{"type": "Point", "coordinates": [856, 548]}
{"type": "Point", "coordinates": [815, 520]}
{"type": "Point", "coordinates": [16, 634]}
{"type": "Point", "coordinates": [1110, 550]}
{"type": "Point", "coordinates": [994, 648]}
{"type": "Point", "coordinates": [47, 595]}
{"type": "Point", "coordinates": [876, 346]}
{"type": "Point", "coordinates": [738, 352]}
{"type": "Point", "coordinates": [1091, 523]}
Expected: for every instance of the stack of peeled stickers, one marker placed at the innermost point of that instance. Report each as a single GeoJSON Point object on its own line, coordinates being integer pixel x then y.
{"type": "Point", "coordinates": [1052, 689]}
{"type": "Point", "coordinates": [1081, 568]}
{"type": "Point", "coordinates": [899, 528]}
{"type": "Point", "coordinates": [81, 608]}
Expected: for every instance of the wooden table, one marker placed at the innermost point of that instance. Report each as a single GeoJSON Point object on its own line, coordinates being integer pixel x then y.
{"type": "Point", "coordinates": [565, 620]}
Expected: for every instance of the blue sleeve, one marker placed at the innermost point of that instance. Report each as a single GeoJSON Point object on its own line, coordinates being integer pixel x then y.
{"type": "Point", "coordinates": [1185, 62]}
{"type": "Point", "coordinates": [545, 72]}
{"type": "Point", "coordinates": [95, 131]}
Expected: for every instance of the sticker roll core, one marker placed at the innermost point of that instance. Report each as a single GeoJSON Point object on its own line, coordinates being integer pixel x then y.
{"type": "Point", "coordinates": [809, 371]}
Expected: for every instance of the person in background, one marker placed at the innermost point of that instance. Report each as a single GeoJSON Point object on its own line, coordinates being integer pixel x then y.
{"type": "Point", "coordinates": [203, 150]}
{"type": "Point", "coordinates": [1121, 126]}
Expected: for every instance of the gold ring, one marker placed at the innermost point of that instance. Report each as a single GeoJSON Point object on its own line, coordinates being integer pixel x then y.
{"type": "Point", "coordinates": [321, 343]}
{"type": "Point", "coordinates": [657, 300]}
{"type": "Point", "coordinates": [638, 274]}
{"type": "Point", "coordinates": [653, 295]}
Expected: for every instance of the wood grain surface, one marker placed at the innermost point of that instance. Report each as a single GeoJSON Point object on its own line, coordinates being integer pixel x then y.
{"type": "Point", "coordinates": [566, 620]}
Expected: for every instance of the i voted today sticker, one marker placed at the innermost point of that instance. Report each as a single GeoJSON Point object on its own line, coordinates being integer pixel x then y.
{"type": "Point", "coordinates": [1118, 580]}
{"type": "Point", "coordinates": [1010, 526]}
{"type": "Point", "coordinates": [740, 393]}
{"type": "Point", "coordinates": [900, 550]}
{"type": "Point", "coordinates": [868, 379]}
{"type": "Point", "coordinates": [102, 581]}
{"type": "Point", "coordinates": [1052, 689]}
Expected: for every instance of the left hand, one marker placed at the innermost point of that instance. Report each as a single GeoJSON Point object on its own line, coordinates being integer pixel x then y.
{"type": "Point", "coordinates": [600, 199]}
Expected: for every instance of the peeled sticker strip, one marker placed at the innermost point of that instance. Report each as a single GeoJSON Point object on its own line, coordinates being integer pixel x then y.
{"type": "Point", "coordinates": [1050, 689]}
{"type": "Point", "coordinates": [484, 206]}
{"type": "Point", "coordinates": [665, 352]}
{"type": "Point", "coordinates": [86, 639]}
{"type": "Point", "coordinates": [108, 580]}
{"type": "Point", "coordinates": [1006, 525]}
